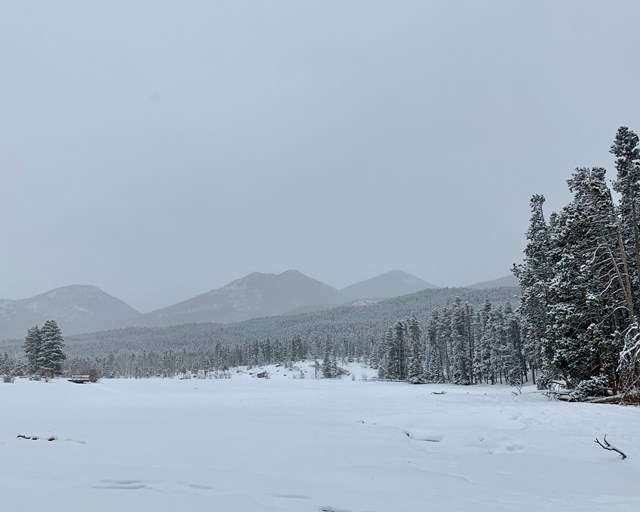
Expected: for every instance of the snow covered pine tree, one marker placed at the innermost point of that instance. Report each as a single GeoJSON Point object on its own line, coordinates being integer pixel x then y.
{"type": "Point", "coordinates": [51, 354]}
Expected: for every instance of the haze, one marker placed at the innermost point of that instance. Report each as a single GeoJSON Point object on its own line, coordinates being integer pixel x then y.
{"type": "Point", "coordinates": [162, 149]}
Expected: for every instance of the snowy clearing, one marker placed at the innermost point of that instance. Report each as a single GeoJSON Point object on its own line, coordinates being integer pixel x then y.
{"type": "Point", "coordinates": [284, 444]}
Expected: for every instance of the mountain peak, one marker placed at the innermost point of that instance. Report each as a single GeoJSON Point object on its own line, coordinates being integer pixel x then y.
{"type": "Point", "coordinates": [77, 308]}
{"type": "Point", "coordinates": [292, 272]}
{"type": "Point", "coordinates": [387, 285]}
{"type": "Point", "coordinates": [255, 295]}
{"type": "Point", "coordinates": [72, 289]}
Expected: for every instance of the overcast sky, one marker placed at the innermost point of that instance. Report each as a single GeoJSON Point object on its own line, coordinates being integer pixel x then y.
{"type": "Point", "coordinates": [161, 149]}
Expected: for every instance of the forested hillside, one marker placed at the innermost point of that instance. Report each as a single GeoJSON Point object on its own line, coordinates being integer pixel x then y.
{"type": "Point", "coordinates": [353, 330]}
{"type": "Point", "coordinates": [352, 322]}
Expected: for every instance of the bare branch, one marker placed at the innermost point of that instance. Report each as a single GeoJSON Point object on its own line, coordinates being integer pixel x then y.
{"type": "Point", "coordinates": [608, 446]}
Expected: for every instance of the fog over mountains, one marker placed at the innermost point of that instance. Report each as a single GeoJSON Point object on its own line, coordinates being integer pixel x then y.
{"type": "Point", "coordinates": [391, 284]}
{"type": "Point", "coordinates": [255, 295]}
{"type": "Point", "coordinates": [496, 283]}
{"type": "Point", "coordinates": [76, 308]}
{"type": "Point", "coordinates": [82, 309]}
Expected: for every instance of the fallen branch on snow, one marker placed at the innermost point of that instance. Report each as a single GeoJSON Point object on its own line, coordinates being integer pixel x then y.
{"type": "Point", "coordinates": [608, 446]}
{"type": "Point", "coordinates": [34, 438]}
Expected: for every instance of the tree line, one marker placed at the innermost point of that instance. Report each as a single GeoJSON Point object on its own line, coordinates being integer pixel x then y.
{"type": "Point", "coordinates": [580, 280]}
{"type": "Point", "coordinates": [461, 345]}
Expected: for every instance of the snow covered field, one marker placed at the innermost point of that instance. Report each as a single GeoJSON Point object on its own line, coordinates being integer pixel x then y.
{"type": "Point", "coordinates": [284, 444]}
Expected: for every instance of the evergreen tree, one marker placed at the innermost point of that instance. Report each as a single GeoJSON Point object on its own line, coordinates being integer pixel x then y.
{"type": "Point", "coordinates": [330, 363]}
{"type": "Point", "coordinates": [627, 184]}
{"type": "Point", "coordinates": [590, 296]}
{"type": "Point", "coordinates": [5, 364]}
{"type": "Point", "coordinates": [499, 346]}
{"type": "Point", "coordinates": [52, 354]}
{"type": "Point", "coordinates": [460, 363]}
{"type": "Point", "coordinates": [578, 296]}
{"type": "Point", "coordinates": [397, 353]}
{"type": "Point", "coordinates": [482, 346]}
{"type": "Point", "coordinates": [485, 363]}
{"type": "Point", "coordinates": [386, 347]}
{"type": "Point", "coordinates": [515, 367]}
{"type": "Point", "coordinates": [435, 367]}
{"type": "Point", "coordinates": [415, 371]}
{"type": "Point", "coordinates": [534, 275]}
{"type": "Point", "coordinates": [33, 349]}
{"type": "Point", "coordinates": [444, 342]}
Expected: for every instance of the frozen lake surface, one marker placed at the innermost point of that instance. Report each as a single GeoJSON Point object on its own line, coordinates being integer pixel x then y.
{"type": "Point", "coordinates": [284, 444]}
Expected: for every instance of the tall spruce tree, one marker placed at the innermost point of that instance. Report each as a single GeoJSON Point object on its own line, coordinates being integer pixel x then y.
{"type": "Point", "coordinates": [384, 366]}
{"type": "Point", "coordinates": [329, 362]}
{"type": "Point", "coordinates": [52, 353]}
{"type": "Point", "coordinates": [460, 363]}
{"type": "Point", "coordinates": [627, 152]}
{"type": "Point", "coordinates": [435, 366]}
{"type": "Point", "coordinates": [396, 352]}
{"type": "Point", "coordinates": [534, 276]}
{"type": "Point", "coordinates": [627, 183]}
{"type": "Point", "coordinates": [514, 366]}
{"type": "Point", "coordinates": [482, 345]}
{"type": "Point", "coordinates": [32, 349]}
{"type": "Point", "coordinates": [415, 370]}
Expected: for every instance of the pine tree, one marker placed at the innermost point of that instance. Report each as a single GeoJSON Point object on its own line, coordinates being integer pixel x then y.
{"type": "Point", "coordinates": [482, 346]}
{"type": "Point", "coordinates": [329, 363]}
{"type": "Point", "coordinates": [5, 364]}
{"type": "Point", "coordinates": [444, 343]}
{"type": "Point", "coordinates": [499, 347]}
{"type": "Point", "coordinates": [515, 367]}
{"type": "Point", "coordinates": [52, 354]}
{"type": "Point", "coordinates": [627, 152]}
{"type": "Point", "coordinates": [386, 347]}
{"type": "Point", "coordinates": [32, 349]}
{"type": "Point", "coordinates": [534, 276]}
{"type": "Point", "coordinates": [590, 296]}
{"type": "Point", "coordinates": [435, 367]}
{"type": "Point", "coordinates": [398, 353]}
{"type": "Point", "coordinates": [460, 363]}
{"type": "Point", "coordinates": [415, 371]}
{"type": "Point", "coordinates": [627, 184]}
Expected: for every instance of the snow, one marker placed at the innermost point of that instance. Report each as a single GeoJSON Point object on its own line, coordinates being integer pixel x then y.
{"type": "Point", "coordinates": [364, 302]}
{"type": "Point", "coordinates": [291, 444]}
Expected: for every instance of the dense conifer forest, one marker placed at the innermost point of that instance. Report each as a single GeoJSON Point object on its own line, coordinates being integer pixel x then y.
{"type": "Point", "coordinates": [580, 280]}
{"type": "Point", "coordinates": [353, 332]}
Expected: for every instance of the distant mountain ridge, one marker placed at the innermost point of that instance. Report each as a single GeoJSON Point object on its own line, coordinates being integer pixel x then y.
{"type": "Point", "coordinates": [84, 309]}
{"type": "Point", "coordinates": [76, 308]}
{"type": "Point", "coordinates": [253, 296]}
{"type": "Point", "coordinates": [260, 295]}
{"type": "Point", "coordinates": [497, 283]}
{"type": "Point", "coordinates": [385, 286]}
{"type": "Point", "coordinates": [363, 321]}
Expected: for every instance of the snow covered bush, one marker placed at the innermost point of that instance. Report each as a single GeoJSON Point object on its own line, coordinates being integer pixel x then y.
{"type": "Point", "coordinates": [596, 386]}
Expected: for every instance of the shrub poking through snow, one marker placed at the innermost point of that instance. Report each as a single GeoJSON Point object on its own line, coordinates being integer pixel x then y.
{"type": "Point", "coordinates": [594, 387]}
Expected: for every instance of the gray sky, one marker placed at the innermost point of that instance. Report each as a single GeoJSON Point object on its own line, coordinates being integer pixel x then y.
{"type": "Point", "coordinates": [161, 149]}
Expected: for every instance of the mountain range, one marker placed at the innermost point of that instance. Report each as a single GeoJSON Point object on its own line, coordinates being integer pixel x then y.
{"type": "Point", "coordinates": [348, 322]}
{"type": "Point", "coordinates": [84, 309]}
